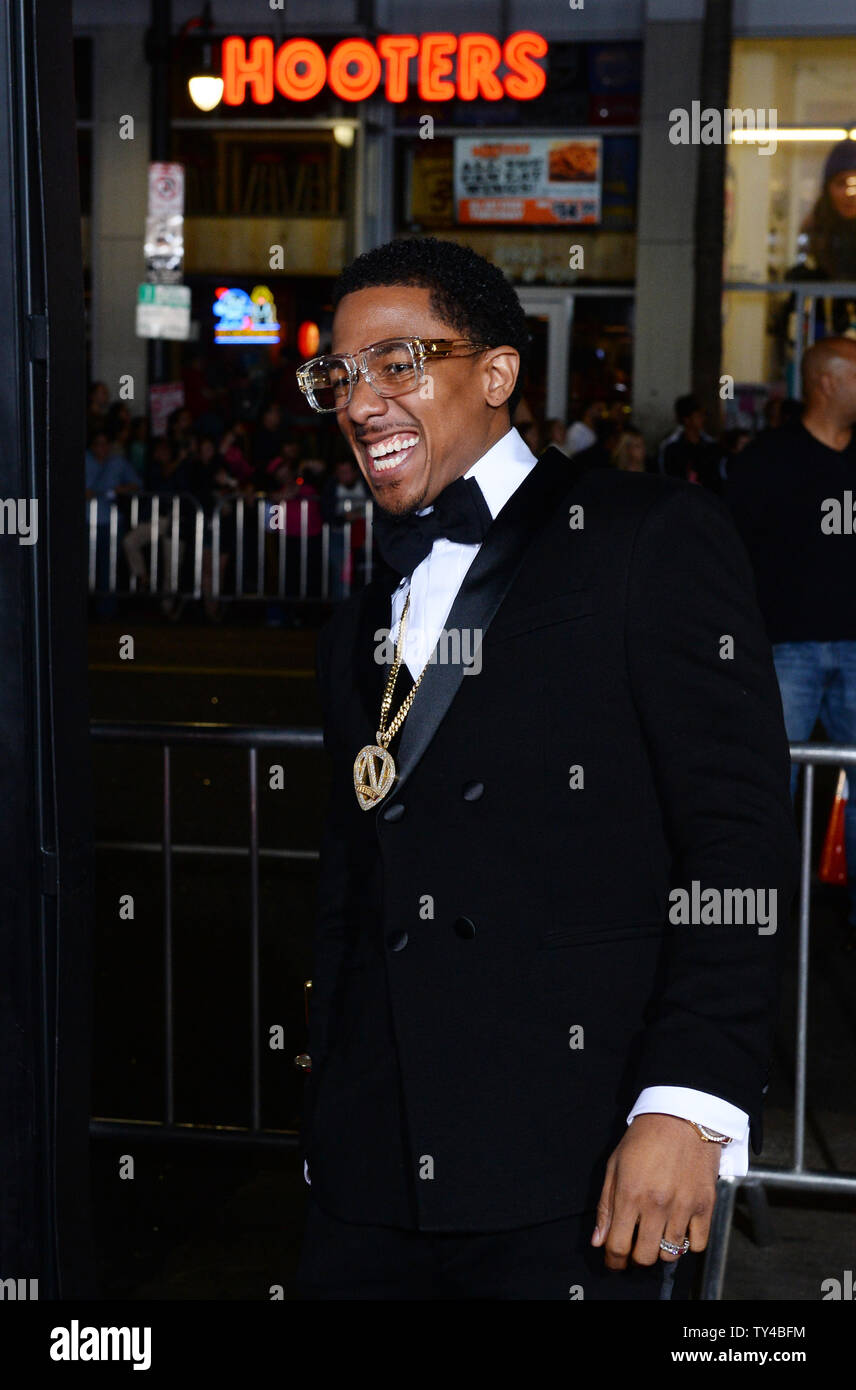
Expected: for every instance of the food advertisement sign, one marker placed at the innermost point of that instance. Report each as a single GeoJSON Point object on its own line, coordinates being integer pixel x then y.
{"type": "Point", "coordinates": [544, 180]}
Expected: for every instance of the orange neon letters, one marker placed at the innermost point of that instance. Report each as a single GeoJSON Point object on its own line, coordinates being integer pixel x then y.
{"type": "Point", "coordinates": [353, 86]}
{"type": "Point", "coordinates": [299, 69]}
{"type": "Point", "coordinates": [435, 64]}
{"type": "Point", "coordinates": [241, 70]}
{"type": "Point", "coordinates": [397, 50]}
{"type": "Point", "coordinates": [300, 85]}
{"type": "Point", "coordinates": [479, 56]}
{"type": "Point", "coordinates": [525, 80]}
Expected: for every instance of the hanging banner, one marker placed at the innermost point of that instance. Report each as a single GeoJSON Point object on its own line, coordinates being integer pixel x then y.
{"type": "Point", "coordinates": [541, 180]}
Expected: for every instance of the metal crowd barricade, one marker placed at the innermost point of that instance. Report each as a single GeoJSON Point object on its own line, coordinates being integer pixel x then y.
{"type": "Point", "coordinates": [810, 755]}
{"type": "Point", "coordinates": [183, 519]}
{"type": "Point", "coordinates": [169, 736]}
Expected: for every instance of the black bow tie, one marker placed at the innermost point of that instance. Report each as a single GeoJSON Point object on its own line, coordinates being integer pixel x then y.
{"type": "Point", "coordinates": [460, 513]}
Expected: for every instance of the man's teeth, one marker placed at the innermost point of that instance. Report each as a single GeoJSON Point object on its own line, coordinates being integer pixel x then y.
{"type": "Point", "coordinates": [394, 446]}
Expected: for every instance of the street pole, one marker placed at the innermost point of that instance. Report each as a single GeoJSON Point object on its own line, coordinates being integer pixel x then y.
{"type": "Point", "coordinates": [710, 215]}
{"type": "Point", "coordinates": [159, 50]}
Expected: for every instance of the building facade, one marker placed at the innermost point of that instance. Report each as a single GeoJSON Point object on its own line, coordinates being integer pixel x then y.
{"type": "Point", "coordinates": [544, 135]}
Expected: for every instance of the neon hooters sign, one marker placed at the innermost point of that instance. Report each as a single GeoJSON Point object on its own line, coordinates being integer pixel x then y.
{"type": "Point", "coordinates": [447, 66]}
{"type": "Point", "coordinates": [245, 318]}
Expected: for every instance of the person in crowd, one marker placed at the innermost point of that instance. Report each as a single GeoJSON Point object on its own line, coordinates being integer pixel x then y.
{"type": "Point", "coordinates": [554, 433]}
{"type": "Point", "coordinates": [98, 403]}
{"type": "Point", "coordinates": [343, 501]}
{"type": "Point", "coordinates": [791, 497]}
{"type": "Point", "coordinates": [293, 509]}
{"type": "Point", "coordinates": [689, 452]}
{"type": "Point", "coordinates": [582, 434]}
{"type": "Point", "coordinates": [831, 224]}
{"type": "Point", "coordinates": [791, 412]}
{"type": "Point", "coordinates": [314, 469]}
{"type": "Point", "coordinates": [220, 476]}
{"type": "Point", "coordinates": [235, 452]}
{"type": "Point", "coordinates": [138, 448]}
{"type": "Point", "coordinates": [629, 454]}
{"type": "Point", "coordinates": [171, 476]}
{"type": "Point", "coordinates": [732, 444]}
{"type": "Point", "coordinates": [118, 426]}
{"type": "Point", "coordinates": [527, 426]}
{"type": "Point", "coordinates": [108, 477]}
{"type": "Point", "coordinates": [600, 454]}
{"type": "Point", "coordinates": [268, 438]}
{"type": "Point", "coordinates": [179, 426]}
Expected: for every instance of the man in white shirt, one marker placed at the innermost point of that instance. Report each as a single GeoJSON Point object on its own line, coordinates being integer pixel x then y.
{"type": "Point", "coordinates": [582, 433]}
{"type": "Point", "coordinates": [499, 851]}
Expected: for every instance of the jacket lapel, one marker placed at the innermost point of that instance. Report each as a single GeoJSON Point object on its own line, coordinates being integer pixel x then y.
{"type": "Point", "coordinates": [485, 585]}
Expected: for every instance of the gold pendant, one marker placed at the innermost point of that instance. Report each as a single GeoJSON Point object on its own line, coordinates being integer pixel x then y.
{"type": "Point", "coordinates": [374, 774]}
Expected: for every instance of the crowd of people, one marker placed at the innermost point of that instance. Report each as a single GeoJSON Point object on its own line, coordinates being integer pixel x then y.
{"type": "Point", "coordinates": [268, 458]}
{"type": "Point", "coordinates": [266, 462]}
{"type": "Point", "coordinates": [603, 435]}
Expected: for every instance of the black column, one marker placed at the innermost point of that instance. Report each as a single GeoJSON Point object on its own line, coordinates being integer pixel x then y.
{"type": "Point", "coordinates": [46, 840]}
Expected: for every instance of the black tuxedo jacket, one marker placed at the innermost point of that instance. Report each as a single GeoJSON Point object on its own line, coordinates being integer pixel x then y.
{"type": "Point", "coordinates": [496, 976]}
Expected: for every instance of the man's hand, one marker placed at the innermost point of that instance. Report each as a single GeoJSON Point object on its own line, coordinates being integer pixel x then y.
{"type": "Point", "coordinates": [662, 1176]}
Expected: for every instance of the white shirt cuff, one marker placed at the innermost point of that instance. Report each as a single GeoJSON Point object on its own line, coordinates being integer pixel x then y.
{"type": "Point", "coordinates": [306, 1172]}
{"type": "Point", "coordinates": [704, 1109]}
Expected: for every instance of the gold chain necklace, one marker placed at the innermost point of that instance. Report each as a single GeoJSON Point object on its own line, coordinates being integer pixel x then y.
{"type": "Point", "coordinates": [374, 765]}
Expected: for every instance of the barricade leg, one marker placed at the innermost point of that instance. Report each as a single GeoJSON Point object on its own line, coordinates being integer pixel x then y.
{"type": "Point", "coordinates": [759, 1211]}
{"type": "Point", "coordinates": [713, 1277]}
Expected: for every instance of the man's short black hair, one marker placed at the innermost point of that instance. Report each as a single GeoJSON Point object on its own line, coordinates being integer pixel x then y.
{"type": "Point", "coordinates": [685, 406]}
{"type": "Point", "coordinates": [467, 292]}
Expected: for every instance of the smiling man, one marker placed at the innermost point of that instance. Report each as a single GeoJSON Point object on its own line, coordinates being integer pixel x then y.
{"type": "Point", "coordinates": [526, 1075]}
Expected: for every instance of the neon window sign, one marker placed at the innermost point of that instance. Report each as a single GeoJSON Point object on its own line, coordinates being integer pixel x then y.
{"type": "Point", "coordinates": [245, 318]}
{"type": "Point", "coordinates": [447, 66]}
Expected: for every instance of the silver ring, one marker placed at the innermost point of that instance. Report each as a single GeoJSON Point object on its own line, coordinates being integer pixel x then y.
{"type": "Point", "coordinates": [671, 1249]}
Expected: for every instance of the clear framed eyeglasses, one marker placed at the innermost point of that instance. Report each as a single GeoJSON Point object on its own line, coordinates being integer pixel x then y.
{"type": "Point", "coordinates": [390, 367]}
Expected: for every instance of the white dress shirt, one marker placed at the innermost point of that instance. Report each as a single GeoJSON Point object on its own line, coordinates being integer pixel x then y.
{"type": "Point", "coordinates": [433, 586]}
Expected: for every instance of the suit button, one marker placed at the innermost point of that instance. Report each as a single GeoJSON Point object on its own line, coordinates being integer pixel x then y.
{"type": "Point", "coordinates": [472, 790]}
{"type": "Point", "coordinates": [395, 811]}
{"type": "Point", "coordinates": [465, 928]}
{"type": "Point", "coordinates": [397, 940]}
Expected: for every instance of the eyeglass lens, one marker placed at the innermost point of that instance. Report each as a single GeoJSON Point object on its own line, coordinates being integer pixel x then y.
{"type": "Point", "coordinates": [391, 368]}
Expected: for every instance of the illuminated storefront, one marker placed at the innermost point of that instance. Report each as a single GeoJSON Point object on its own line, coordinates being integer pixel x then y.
{"type": "Point", "coordinates": [791, 216]}
{"type": "Point", "coordinates": [535, 133]}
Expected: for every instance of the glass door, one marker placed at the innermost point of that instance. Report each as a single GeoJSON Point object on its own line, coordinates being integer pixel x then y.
{"type": "Point", "coordinates": [550, 318]}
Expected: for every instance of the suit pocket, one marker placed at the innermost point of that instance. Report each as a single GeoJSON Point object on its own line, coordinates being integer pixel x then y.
{"type": "Point", "coordinates": [588, 933]}
{"type": "Point", "coordinates": [560, 608]}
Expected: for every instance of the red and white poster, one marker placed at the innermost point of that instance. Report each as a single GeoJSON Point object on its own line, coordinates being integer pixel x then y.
{"type": "Point", "coordinates": [163, 400]}
{"type": "Point", "coordinates": [544, 180]}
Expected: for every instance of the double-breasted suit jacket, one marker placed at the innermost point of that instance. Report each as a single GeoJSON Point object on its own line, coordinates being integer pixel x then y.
{"type": "Point", "coordinates": [497, 973]}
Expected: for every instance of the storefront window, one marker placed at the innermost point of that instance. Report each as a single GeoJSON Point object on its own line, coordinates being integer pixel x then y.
{"type": "Point", "coordinates": [790, 206]}
{"type": "Point", "coordinates": [551, 209]}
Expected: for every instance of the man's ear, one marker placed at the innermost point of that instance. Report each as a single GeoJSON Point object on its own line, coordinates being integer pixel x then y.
{"type": "Point", "coordinates": [500, 366]}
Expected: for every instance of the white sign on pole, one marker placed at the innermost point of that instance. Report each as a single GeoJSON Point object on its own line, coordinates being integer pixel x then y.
{"type": "Point", "coordinates": [163, 311]}
{"type": "Point", "coordinates": [166, 189]}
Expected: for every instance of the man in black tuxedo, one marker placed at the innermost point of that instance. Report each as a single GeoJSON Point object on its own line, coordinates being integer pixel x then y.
{"type": "Point", "coordinates": [559, 854]}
